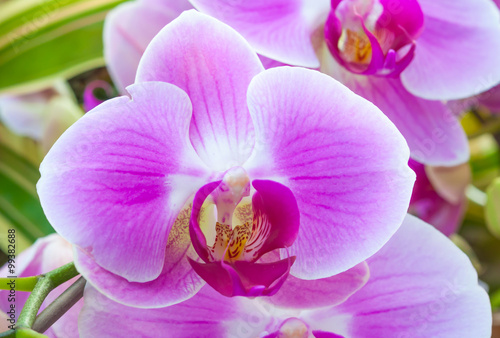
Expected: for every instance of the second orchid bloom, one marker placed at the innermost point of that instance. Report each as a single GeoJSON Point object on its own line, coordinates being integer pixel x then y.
{"type": "Point", "coordinates": [405, 56]}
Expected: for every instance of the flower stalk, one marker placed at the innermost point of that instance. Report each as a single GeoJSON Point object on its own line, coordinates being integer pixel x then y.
{"type": "Point", "coordinates": [45, 284]}
{"type": "Point", "coordinates": [60, 306]}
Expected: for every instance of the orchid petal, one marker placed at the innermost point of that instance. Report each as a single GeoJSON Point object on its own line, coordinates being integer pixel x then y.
{"type": "Point", "coordinates": [193, 53]}
{"type": "Point", "coordinates": [429, 206]}
{"type": "Point", "coordinates": [276, 204]}
{"type": "Point", "coordinates": [432, 131]}
{"type": "Point", "coordinates": [270, 63]}
{"type": "Point", "coordinates": [279, 29]}
{"type": "Point", "coordinates": [241, 278]}
{"type": "Point", "coordinates": [176, 283]}
{"type": "Point", "coordinates": [124, 44]}
{"type": "Point", "coordinates": [457, 53]}
{"type": "Point", "coordinates": [490, 99]}
{"type": "Point", "coordinates": [115, 181]}
{"type": "Point", "coordinates": [24, 115]}
{"type": "Point", "coordinates": [177, 6]}
{"type": "Point", "coordinates": [343, 160]}
{"type": "Point", "coordinates": [196, 317]}
{"type": "Point", "coordinates": [307, 294]}
{"type": "Point", "coordinates": [197, 236]}
{"type": "Point", "coordinates": [421, 285]}
{"type": "Point", "coordinates": [444, 216]}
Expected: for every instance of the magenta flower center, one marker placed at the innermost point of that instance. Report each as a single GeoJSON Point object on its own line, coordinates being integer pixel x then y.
{"type": "Point", "coordinates": [374, 37]}
{"type": "Point", "coordinates": [233, 224]}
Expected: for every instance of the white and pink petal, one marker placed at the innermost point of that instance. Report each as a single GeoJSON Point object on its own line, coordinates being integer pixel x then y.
{"type": "Point", "coordinates": [457, 54]}
{"type": "Point", "coordinates": [176, 282]}
{"type": "Point", "coordinates": [115, 182]}
{"type": "Point", "coordinates": [214, 65]}
{"type": "Point", "coordinates": [208, 314]}
{"type": "Point", "coordinates": [421, 285]}
{"type": "Point", "coordinates": [303, 294]}
{"type": "Point", "coordinates": [282, 30]}
{"type": "Point", "coordinates": [343, 160]}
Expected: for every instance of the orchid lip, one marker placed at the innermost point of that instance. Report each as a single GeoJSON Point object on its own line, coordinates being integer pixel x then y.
{"type": "Point", "coordinates": [244, 231]}
{"type": "Point", "coordinates": [373, 37]}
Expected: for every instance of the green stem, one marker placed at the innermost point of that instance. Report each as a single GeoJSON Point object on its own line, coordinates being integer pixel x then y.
{"type": "Point", "coordinates": [59, 306]}
{"type": "Point", "coordinates": [45, 284]}
{"type": "Point", "coordinates": [8, 334]}
{"type": "Point", "coordinates": [18, 284]}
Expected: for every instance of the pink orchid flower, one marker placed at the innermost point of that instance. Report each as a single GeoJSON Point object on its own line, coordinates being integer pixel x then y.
{"type": "Point", "coordinates": [46, 254]}
{"type": "Point", "coordinates": [420, 285]}
{"type": "Point", "coordinates": [249, 161]}
{"type": "Point", "coordinates": [405, 56]}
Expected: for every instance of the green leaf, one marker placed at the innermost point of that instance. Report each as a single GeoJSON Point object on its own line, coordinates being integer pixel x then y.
{"type": "Point", "coordinates": [19, 203]}
{"type": "Point", "coordinates": [22, 242]}
{"type": "Point", "coordinates": [492, 209]}
{"type": "Point", "coordinates": [495, 300]}
{"type": "Point", "coordinates": [43, 40]}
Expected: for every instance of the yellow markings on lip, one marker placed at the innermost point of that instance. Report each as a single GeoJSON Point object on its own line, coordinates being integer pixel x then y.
{"type": "Point", "coordinates": [222, 236]}
{"type": "Point", "coordinates": [239, 238]}
{"type": "Point", "coordinates": [230, 243]}
{"type": "Point", "coordinates": [243, 212]}
{"type": "Point", "coordinates": [355, 47]}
